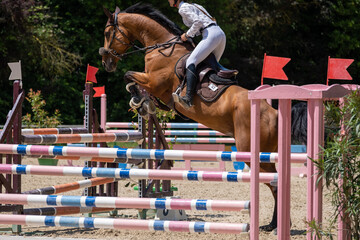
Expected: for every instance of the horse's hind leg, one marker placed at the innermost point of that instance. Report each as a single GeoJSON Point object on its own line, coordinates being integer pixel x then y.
{"type": "Point", "coordinates": [270, 167]}
{"type": "Point", "coordinates": [268, 144]}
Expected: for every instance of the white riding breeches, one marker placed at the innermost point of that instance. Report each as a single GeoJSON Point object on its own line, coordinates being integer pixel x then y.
{"type": "Point", "coordinates": [214, 41]}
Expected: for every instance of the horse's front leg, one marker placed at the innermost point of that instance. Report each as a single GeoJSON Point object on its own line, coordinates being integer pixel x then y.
{"type": "Point", "coordinates": [138, 101]}
{"type": "Point", "coordinates": [136, 97]}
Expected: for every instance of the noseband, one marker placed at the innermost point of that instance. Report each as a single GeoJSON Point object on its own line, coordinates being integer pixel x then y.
{"type": "Point", "coordinates": [103, 51]}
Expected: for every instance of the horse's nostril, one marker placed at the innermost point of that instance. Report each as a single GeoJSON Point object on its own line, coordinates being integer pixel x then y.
{"type": "Point", "coordinates": [103, 63]}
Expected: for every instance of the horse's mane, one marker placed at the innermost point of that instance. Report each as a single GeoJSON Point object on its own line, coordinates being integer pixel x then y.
{"type": "Point", "coordinates": [149, 11]}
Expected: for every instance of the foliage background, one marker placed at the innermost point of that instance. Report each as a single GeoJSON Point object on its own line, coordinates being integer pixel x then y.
{"type": "Point", "coordinates": [55, 40]}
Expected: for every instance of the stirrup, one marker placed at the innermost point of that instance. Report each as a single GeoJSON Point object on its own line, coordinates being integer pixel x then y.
{"type": "Point", "coordinates": [176, 95]}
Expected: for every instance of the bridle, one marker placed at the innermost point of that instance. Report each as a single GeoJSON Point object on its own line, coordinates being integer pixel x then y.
{"type": "Point", "coordinates": [166, 45]}
{"type": "Point", "coordinates": [114, 37]}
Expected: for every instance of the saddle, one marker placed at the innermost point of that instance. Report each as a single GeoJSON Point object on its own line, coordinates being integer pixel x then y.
{"type": "Point", "coordinates": [213, 80]}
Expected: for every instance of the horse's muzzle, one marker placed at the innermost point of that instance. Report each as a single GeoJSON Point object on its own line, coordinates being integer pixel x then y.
{"type": "Point", "coordinates": [109, 64]}
{"type": "Point", "coordinates": [103, 51]}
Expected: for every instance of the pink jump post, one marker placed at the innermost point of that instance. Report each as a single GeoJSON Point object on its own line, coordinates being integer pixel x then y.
{"type": "Point", "coordinates": [314, 94]}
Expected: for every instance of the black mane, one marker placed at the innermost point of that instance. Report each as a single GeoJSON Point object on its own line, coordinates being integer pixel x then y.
{"type": "Point", "coordinates": [149, 11]}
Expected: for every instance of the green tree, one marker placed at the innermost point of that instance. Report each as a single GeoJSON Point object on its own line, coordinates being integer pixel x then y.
{"type": "Point", "coordinates": [39, 117]}
{"type": "Point", "coordinates": [306, 31]}
{"type": "Point", "coordinates": [341, 159]}
{"type": "Point", "coordinates": [27, 35]}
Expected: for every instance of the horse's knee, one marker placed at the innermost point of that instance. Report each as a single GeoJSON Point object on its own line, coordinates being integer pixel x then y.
{"type": "Point", "coordinates": [128, 77]}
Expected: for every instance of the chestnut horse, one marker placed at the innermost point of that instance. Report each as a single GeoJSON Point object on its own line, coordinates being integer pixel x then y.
{"type": "Point", "coordinates": [230, 114]}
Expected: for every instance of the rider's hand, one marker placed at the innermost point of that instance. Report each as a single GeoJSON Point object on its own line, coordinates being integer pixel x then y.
{"type": "Point", "coordinates": [184, 37]}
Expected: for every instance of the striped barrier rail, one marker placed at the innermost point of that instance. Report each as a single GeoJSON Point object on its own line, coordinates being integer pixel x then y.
{"type": "Point", "coordinates": [82, 138]}
{"type": "Point", "coordinates": [215, 137]}
{"type": "Point", "coordinates": [225, 140]}
{"type": "Point", "coordinates": [167, 125]}
{"type": "Point", "coordinates": [39, 131]}
{"type": "Point", "coordinates": [57, 211]}
{"type": "Point", "coordinates": [154, 154]}
{"type": "Point", "coordinates": [136, 173]}
{"type": "Point", "coordinates": [65, 130]}
{"type": "Point", "coordinates": [117, 202]}
{"type": "Point", "coordinates": [191, 138]}
{"type": "Point", "coordinates": [128, 224]}
{"type": "Point", "coordinates": [201, 140]}
{"type": "Point", "coordinates": [178, 132]}
{"type": "Point", "coordinates": [89, 159]}
{"type": "Point", "coordinates": [71, 186]}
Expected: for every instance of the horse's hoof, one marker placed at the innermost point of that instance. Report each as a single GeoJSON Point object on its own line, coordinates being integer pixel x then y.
{"type": "Point", "coordinates": [150, 107]}
{"type": "Point", "coordinates": [129, 85]}
{"type": "Point", "coordinates": [135, 102]}
{"type": "Point", "coordinates": [143, 113]}
{"type": "Point", "coordinates": [268, 228]}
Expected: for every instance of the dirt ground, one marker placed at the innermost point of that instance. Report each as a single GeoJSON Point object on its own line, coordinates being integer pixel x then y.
{"type": "Point", "coordinates": [193, 190]}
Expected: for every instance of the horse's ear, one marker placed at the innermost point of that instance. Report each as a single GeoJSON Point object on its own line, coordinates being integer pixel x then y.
{"type": "Point", "coordinates": [108, 14]}
{"type": "Point", "coordinates": [117, 10]}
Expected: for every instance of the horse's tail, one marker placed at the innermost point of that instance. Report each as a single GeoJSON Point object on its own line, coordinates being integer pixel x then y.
{"type": "Point", "coordinates": [299, 122]}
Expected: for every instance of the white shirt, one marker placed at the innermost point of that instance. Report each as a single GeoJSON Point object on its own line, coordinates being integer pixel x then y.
{"type": "Point", "coordinates": [194, 18]}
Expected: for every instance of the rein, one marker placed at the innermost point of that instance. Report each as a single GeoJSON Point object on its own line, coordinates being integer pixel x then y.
{"type": "Point", "coordinates": [166, 45]}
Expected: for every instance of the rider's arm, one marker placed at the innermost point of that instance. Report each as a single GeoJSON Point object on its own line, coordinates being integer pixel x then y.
{"type": "Point", "coordinates": [191, 18]}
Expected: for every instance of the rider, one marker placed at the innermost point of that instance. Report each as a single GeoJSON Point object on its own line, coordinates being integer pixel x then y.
{"type": "Point", "coordinates": [213, 41]}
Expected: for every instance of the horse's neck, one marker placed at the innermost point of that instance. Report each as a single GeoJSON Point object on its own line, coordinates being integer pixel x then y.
{"type": "Point", "coordinates": [145, 30]}
{"type": "Point", "coordinates": [149, 33]}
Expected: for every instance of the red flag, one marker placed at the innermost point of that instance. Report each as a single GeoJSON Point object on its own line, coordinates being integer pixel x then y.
{"type": "Point", "coordinates": [337, 69]}
{"type": "Point", "coordinates": [273, 68]}
{"type": "Point", "coordinates": [99, 91]}
{"type": "Point", "coordinates": [90, 74]}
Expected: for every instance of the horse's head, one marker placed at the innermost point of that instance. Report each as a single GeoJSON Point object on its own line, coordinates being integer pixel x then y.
{"type": "Point", "coordinates": [117, 41]}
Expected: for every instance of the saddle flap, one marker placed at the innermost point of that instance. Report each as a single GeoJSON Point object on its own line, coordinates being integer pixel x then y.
{"type": "Point", "coordinates": [210, 86]}
{"type": "Point", "coordinates": [209, 91]}
{"type": "Point", "coordinates": [180, 66]}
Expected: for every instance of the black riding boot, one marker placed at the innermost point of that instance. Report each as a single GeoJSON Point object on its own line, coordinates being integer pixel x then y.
{"type": "Point", "coordinates": [191, 81]}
